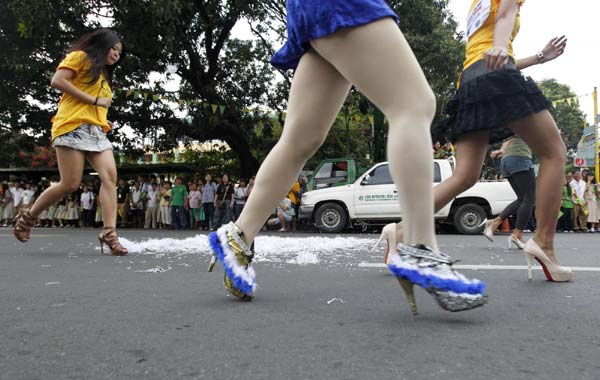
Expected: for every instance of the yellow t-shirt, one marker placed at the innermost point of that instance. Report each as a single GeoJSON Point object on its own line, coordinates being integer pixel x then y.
{"type": "Point", "coordinates": [481, 30]}
{"type": "Point", "coordinates": [295, 189]}
{"type": "Point", "coordinates": [73, 112]}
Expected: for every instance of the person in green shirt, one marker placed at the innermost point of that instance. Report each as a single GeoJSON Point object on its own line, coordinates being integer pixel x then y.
{"type": "Point", "coordinates": [565, 223]}
{"type": "Point", "coordinates": [179, 205]}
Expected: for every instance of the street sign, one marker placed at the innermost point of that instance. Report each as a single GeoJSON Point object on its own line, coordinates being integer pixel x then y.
{"type": "Point", "coordinates": [579, 162]}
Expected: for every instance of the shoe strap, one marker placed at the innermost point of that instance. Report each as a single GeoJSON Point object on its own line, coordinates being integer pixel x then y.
{"type": "Point", "coordinates": [423, 252]}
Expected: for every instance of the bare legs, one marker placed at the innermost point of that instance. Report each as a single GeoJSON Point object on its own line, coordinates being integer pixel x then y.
{"type": "Point", "coordinates": [540, 132]}
{"type": "Point", "coordinates": [104, 164]}
{"type": "Point", "coordinates": [70, 167]}
{"type": "Point", "coordinates": [387, 72]}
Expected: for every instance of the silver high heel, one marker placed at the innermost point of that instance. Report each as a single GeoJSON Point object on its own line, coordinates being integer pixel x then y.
{"type": "Point", "coordinates": [513, 240]}
{"type": "Point", "coordinates": [553, 272]}
{"type": "Point", "coordinates": [388, 233]}
{"type": "Point", "coordinates": [487, 230]}
{"type": "Point", "coordinates": [419, 265]}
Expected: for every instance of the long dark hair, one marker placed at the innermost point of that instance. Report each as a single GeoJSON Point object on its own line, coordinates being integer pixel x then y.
{"type": "Point", "coordinates": [96, 45]}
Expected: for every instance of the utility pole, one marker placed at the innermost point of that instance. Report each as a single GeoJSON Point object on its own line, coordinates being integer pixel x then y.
{"type": "Point", "coordinates": [596, 135]}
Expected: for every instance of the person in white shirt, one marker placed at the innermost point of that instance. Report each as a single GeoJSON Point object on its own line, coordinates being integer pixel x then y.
{"type": "Point", "coordinates": [87, 205]}
{"type": "Point", "coordinates": [135, 205]}
{"type": "Point", "coordinates": [152, 198]}
{"type": "Point", "coordinates": [28, 194]}
{"type": "Point", "coordinates": [578, 186]}
{"type": "Point", "coordinates": [240, 195]}
{"type": "Point", "coordinates": [18, 194]}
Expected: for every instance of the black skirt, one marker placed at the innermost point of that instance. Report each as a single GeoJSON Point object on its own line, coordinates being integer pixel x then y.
{"type": "Point", "coordinates": [489, 102]}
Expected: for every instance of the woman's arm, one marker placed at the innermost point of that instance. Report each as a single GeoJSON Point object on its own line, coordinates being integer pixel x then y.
{"type": "Point", "coordinates": [553, 49]}
{"type": "Point", "coordinates": [63, 81]}
{"type": "Point", "coordinates": [500, 152]}
{"type": "Point", "coordinates": [497, 57]}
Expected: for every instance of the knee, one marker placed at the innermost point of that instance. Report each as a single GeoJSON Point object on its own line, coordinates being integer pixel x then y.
{"type": "Point", "coordinates": [69, 186]}
{"type": "Point", "coordinates": [303, 148]}
{"type": "Point", "coordinates": [109, 176]}
{"type": "Point", "coordinates": [421, 108]}
{"type": "Point", "coordinates": [465, 180]}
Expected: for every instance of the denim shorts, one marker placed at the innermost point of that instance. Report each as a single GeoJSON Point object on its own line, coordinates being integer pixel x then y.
{"type": "Point", "coordinates": [87, 138]}
{"type": "Point", "coordinates": [515, 164]}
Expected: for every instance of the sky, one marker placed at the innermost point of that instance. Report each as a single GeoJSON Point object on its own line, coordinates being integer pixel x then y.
{"type": "Point", "coordinates": [579, 67]}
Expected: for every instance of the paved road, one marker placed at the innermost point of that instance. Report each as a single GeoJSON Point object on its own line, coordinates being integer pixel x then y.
{"type": "Point", "coordinates": [321, 312]}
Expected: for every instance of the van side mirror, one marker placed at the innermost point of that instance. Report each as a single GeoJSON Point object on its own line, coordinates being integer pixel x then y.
{"type": "Point", "coordinates": [366, 180]}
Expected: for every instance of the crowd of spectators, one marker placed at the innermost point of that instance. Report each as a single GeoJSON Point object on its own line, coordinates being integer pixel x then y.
{"type": "Point", "coordinates": [148, 202]}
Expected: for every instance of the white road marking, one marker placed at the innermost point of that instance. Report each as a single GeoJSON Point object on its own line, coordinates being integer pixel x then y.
{"type": "Point", "coordinates": [488, 267]}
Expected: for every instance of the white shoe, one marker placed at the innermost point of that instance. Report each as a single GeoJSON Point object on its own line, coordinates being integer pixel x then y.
{"type": "Point", "coordinates": [513, 240]}
{"type": "Point", "coordinates": [487, 230]}
{"type": "Point", "coordinates": [553, 272]}
{"type": "Point", "coordinates": [389, 234]}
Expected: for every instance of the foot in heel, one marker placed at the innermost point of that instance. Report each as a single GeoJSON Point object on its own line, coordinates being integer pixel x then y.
{"type": "Point", "coordinates": [24, 222]}
{"type": "Point", "coordinates": [230, 248]}
{"type": "Point", "coordinates": [434, 273]}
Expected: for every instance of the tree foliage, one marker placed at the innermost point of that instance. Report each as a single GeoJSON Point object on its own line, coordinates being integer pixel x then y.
{"type": "Point", "coordinates": [190, 41]}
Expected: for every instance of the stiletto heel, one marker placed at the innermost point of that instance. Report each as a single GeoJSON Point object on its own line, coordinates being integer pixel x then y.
{"type": "Point", "coordinates": [109, 237]}
{"type": "Point", "coordinates": [487, 230]}
{"type": "Point", "coordinates": [553, 272]}
{"type": "Point", "coordinates": [419, 265]}
{"type": "Point", "coordinates": [101, 245]}
{"type": "Point", "coordinates": [408, 288]}
{"type": "Point", "coordinates": [388, 233]}
{"type": "Point", "coordinates": [528, 257]}
{"type": "Point", "coordinates": [213, 261]}
{"type": "Point", "coordinates": [513, 240]}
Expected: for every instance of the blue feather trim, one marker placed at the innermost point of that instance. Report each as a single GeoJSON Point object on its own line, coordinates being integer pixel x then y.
{"type": "Point", "coordinates": [428, 281]}
{"type": "Point", "coordinates": [238, 282]}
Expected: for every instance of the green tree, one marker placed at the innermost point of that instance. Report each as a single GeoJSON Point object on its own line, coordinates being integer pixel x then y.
{"type": "Point", "coordinates": [568, 115]}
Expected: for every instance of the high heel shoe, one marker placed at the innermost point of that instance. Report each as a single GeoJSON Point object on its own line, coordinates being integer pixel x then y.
{"type": "Point", "coordinates": [553, 272]}
{"type": "Point", "coordinates": [513, 240]}
{"type": "Point", "coordinates": [109, 237]}
{"type": "Point", "coordinates": [230, 248]}
{"type": "Point", "coordinates": [389, 234]}
{"type": "Point", "coordinates": [419, 265]}
{"type": "Point", "coordinates": [487, 230]}
{"type": "Point", "coordinates": [24, 222]}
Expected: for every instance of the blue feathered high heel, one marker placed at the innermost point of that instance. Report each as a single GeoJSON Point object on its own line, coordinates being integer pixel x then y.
{"type": "Point", "coordinates": [418, 265]}
{"type": "Point", "coordinates": [230, 248]}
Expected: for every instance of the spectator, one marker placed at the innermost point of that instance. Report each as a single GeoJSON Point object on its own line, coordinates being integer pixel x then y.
{"type": "Point", "coordinates": [294, 197]}
{"type": "Point", "coordinates": [123, 195]}
{"type": "Point", "coordinates": [565, 222]}
{"type": "Point", "coordinates": [208, 199]}
{"type": "Point", "coordinates": [41, 219]}
{"type": "Point", "coordinates": [28, 196]}
{"type": "Point", "coordinates": [99, 219]}
{"type": "Point", "coordinates": [72, 211]}
{"type": "Point", "coordinates": [8, 212]}
{"type": "Point", "coordinates": [591, 203]}
{"type": "Point", "coordinates": [152, 206]}
{"type": "Point", "coordinates": [223, 202]}
{"type": "Point", "coordinates": [61, 211]}
{"type": "Point", "coordinates": [579, 187]}
{"type": "Point", "coordinates": [18, 193]}
{"type": "Point", "coordinates": [285, 213]}
{"type": "Point", "coordinates": [240, 196]}
{"type": "Point", "coordinates": [179, 205]}
{"type": "Point", "coordinates": [135, 205]}
{"type": "Point", "coordinates": [87, 205]}
{"type": "Point", "coordinates": [194, 200]}
{"type": "Point", "coordinates": [165, 205]}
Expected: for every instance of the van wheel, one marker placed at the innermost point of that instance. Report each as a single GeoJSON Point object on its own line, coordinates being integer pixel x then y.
{"type": "Point", "coordinates": [467, 219]}
{"type": "Point", "coordinates": [331, 218]}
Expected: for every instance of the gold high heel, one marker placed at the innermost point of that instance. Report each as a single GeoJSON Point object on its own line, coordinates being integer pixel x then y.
{"type": "Point", "coordinates": [487, 230]}
{"type": "Point", "coordinates": [109, 237]}
{"type": "Point", "coordinates": [388, 233]}
{"type": "Point", "coordinates": [513, 240]}
{"type": "Point", "coordinates": [408, 288]}
{"type": "Point", "coordinates": [553, 272]}
{"type": "Point", "coordinates": [24, 222]}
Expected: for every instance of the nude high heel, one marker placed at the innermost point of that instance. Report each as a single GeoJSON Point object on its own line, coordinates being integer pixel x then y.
{"type": "Point", "coordinates": [553, 272]}
{"type": "Point", "coordinates": [388, 233]}
{"type": "Point", "coordinates": [513, 240]}
{"type": "Point", "coordinates": [487, 230]}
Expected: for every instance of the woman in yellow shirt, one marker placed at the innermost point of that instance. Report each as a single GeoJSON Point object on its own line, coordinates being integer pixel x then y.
{"type": "Point", "coordinates": [495, 101]}
{"type": "Point", "coordinates": [79, 130]}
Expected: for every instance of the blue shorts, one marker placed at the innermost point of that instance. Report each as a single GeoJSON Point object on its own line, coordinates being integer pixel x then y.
{"type": "Point", "coordinates": [309, 20]}
{"type": "Point", "coordinates": [515, 164]}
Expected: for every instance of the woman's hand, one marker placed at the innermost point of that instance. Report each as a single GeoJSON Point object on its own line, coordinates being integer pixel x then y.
{"type": "Point", "coordinates": [555, 48]}
{"type": "Point", "coordinates": [495, 58]}
{"type": "Point", "coordinates": [104, 102]}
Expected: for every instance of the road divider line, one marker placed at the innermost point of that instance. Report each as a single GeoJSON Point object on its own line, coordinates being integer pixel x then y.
{"type": "Point", "coordinates": [488, 267]}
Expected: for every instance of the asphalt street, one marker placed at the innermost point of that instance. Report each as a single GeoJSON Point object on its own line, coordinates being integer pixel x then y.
{"type": "Point", "coordinates": [325, 309]}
